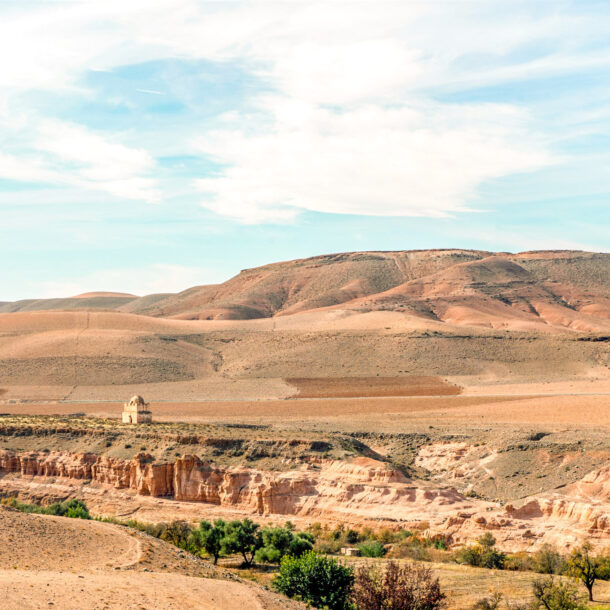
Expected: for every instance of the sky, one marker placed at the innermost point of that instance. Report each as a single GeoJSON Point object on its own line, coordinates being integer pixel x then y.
{"type": "Point", "coordinates": [150, 146]}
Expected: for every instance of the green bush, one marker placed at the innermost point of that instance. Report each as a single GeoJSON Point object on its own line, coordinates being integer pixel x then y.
{"type": "Point", "coordinates": [280, 541]}
{"type": "Point", "coordinates": [75, 509]}
{"type": "Point", "coordinates": [483, 554]}
{"type": "Point", "coordinates": [320, 581]}
{"type": "Point", "coordinates": [371, 548]}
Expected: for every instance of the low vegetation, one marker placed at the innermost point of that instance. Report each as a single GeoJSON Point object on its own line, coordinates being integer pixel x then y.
{"type": "Point", "coordinates": [407, 587]}
{"type": "Point", "coordinates": [307, 573]}
{"type": "Point", "coordinates": [556, 595]}
{"type": "Point", "coordinates": [320, 581]}
{"type": "Point", "coordinates": [75, 509]}
{"type": "Point", "coordinates": [483, 554]}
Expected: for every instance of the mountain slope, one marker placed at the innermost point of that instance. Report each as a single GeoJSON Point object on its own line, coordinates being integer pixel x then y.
{"type": "Point", "coordinates": [547, 290]}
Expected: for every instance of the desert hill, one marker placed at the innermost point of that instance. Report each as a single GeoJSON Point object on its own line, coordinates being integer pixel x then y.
{"type": "Point", "coordinates": [533, 316]}
{"type": "Point", "coordinates": [526, 291]}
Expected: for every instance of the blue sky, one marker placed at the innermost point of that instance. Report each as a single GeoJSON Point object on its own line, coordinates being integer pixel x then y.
{"type": "Point", "coordinates": [152, 146]}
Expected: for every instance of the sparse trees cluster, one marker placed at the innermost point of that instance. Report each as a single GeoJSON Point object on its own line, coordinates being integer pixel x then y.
{"type": "Point", "coordinates": [248, 539]}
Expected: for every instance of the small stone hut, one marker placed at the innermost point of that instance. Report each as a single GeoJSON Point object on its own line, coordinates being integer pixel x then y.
{"type": "Point", "coordinates": [136, 411]}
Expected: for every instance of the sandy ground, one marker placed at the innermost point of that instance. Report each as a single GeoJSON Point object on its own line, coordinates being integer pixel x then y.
{"type": "Point", "coordinates": [44, 589]}
{"type": "Point", "coordinates": [68, 563]}
{"type": "Point", "coordinates": [584, 410]}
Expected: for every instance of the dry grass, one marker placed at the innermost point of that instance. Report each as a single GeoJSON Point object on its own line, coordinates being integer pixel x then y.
{"type": "Point", "coordinates": [465, 585]}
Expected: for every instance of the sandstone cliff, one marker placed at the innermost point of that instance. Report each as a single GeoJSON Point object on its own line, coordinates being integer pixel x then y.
{"type": "Point", "coordinates": [357, 491]}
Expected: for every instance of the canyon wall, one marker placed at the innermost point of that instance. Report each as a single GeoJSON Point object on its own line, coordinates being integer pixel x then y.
{"type": "Point", "coordinates": [358, 491]}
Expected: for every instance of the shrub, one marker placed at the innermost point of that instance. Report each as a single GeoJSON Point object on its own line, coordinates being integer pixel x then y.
{"type": "Point", "coordinates": [492, 559]}
{"type": "Point", "coordinates": [75, 509]}
{"type": "Point", "coordinates": [521, 562]}
{"type": "Point", "coordinates": [492, 602]}
{"type": "Point", "coordinates": [410, 587]}
{"type": "Point", "coordinates": [177, 533]}
{"type": "Point", "coordinates": [371, 548]}
{"type": "Point", "coordinates": [556, 595]}
{"type": "Point", "coordinates": [280, 541]}
{"type": "Point", "coordinates": [483, 554]}
{"type": "Point", "coordinates": [487, 541]}
{"type": "Point", "coordinates": [548, 561]}
{"type": "Point", "coordinates": [320, 581]}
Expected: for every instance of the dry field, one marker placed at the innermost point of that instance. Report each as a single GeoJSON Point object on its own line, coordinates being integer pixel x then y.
{"type": "Point", "coordinates": [465, 585]}
{"type": "Point", "coordinates": [374, 414]}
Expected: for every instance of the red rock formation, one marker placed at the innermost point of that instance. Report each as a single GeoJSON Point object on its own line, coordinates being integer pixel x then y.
{"type": "Point", "coordinates": [360, 490]}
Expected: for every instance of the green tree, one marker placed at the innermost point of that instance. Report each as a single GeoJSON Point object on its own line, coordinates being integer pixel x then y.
{"type": "Point", "coordinates": [315, 579]}
{"type": "Point", "coordinates": [587, 568]}
{"type": "Point", "coordinates": [208, 537]}
{"type": "Point", "coordinates": [553, 595]}
{"type": "Point", "coordinates": [280, 541]}
{"type": "Point", "coordinates": [242, 537]}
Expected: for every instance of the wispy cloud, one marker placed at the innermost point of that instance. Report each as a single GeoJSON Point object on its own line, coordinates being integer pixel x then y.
{"type": "Point", "coordinates": [351, 120]}
{"type": "Point", "coordinates": [413, 161]}
{"type": "Point", "coordinates": [60, 153]}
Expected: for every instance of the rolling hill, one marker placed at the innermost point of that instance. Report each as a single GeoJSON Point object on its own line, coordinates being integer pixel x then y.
{"type": "Point", "coordinates": [525, 291]}
{"type": "Point", "coordinates": [532, 316]}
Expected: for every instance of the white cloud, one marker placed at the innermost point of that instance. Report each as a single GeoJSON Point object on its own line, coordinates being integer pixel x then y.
{"type": "Point", "coordinates": [369, 160]}
{"type": "Point", "coordinates": [67, 154]}
{"type": "Point", "coordinates": [350, 126]}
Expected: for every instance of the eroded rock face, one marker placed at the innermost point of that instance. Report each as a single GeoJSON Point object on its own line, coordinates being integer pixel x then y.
{"type": "Point", "coordinates": [361, 490]}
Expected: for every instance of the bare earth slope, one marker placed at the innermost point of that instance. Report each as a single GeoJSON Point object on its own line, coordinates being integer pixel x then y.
{"type": "Point", "coordinates": [533, 316]}
{"type": "Point", "coordinates": [69, 563]}
{"type": "Point", "coordinates": [560, 288]}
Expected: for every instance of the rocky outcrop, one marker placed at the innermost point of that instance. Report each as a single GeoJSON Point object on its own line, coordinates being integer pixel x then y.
{"type": "Point", "coordinates": [356, 491]}
{"type": "Point", "coordinates": [363, 487]}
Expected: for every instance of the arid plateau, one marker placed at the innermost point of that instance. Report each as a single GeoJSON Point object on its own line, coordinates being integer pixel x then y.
{"type": "Point", "coordinates": [448, 392]}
